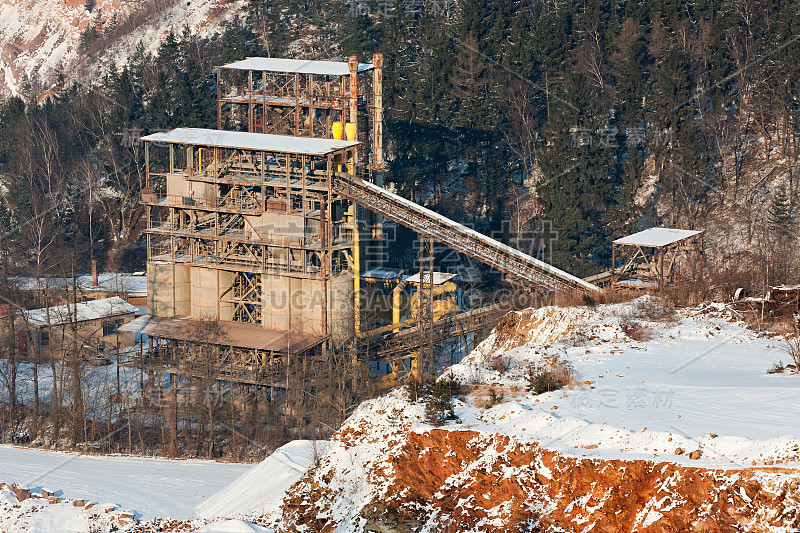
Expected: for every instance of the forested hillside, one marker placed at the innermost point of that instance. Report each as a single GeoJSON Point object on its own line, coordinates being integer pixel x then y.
{"type": "Point", "coordinates": [573, 122]}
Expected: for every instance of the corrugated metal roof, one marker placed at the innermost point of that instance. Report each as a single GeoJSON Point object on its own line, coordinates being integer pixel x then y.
{"type": "Point", "coordinates": [657, 237]}
{"type": "Point", "coordinates": [299, 66]}
{"type": "Point", "coordinates": [284, 144]}
{"type": "Point", "coordinates": [65, 314]}
{"type": "Point", "coordinates": [231, 333]}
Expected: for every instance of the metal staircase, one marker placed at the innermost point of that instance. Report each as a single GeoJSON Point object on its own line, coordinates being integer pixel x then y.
{"type": "Point", "coordinates": [457, 236]}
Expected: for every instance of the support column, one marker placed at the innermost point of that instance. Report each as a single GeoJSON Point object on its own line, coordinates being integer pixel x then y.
{"type": "Point", "coordinates": [219, 102]}
{"type": "Point", "coordinates": [377, 122]}
{"type": "Point", "coordinates": [250, 101]}
{"type": "Point", "coordinates": [352, 64]}
{"type": "Point", "coordinates": [613, 263]}
{"type": "Point", "coordinates": [425, 312]}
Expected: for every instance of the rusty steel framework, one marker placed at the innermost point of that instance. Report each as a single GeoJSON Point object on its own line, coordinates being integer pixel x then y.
{"type": "Point", "coordinates": [234, 217]}
{"type": "Point", "coordinates": [651, 258]}
{"type": "Point", "coordinates": [221, 223]}
{"type": "Point", "coordinates": [305, 99]}
{"type": "Point", "coordinates": [394, 348]}
{"type": "Point", "coordinates": [231, 363]}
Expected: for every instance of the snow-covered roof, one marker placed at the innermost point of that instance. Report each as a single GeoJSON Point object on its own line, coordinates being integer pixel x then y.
{"type": "Point", "coordinates": [250, 141]}
{"type": "Point", "coordinates": [131, 284]}
{"type": "Point", "coordinates": [298, 66]}
{"type": "Point", "coordinates": [438, 278]}
{"type": "Point", "coordinates": [93, 310]}
{"type": "Point", "coordinates": [382, 273]}
{"type": "Point", "coordinates": [658, 237]}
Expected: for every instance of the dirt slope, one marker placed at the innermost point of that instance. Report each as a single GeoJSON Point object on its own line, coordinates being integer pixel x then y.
{"type": "Point", "coordinates": [446, 480]}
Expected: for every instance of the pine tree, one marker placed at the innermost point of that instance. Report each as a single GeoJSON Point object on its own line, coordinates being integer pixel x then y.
{"type": "Point", "coordinates": [780, 216]}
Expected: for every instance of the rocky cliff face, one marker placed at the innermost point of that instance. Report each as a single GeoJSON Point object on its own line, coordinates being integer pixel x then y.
{"type": "Point", "coordinates": [39, 38]}
{"type": "Point", "coordinates": [442, 480]}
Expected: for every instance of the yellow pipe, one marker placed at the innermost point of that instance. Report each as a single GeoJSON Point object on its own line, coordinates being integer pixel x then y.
{"type": "Point", "coordinates": [355, 265]}
{"type": "Point", "coordinates": [438, 290]}
{"type": "Point", "coordinates": [440, 308]}
{"type": "Point", "coordinates": [337, 130]}
{"type": "Point", "coordinates": [396, 303]}
{"type": "Point", "coordinates": [351, 132]}
{"type": "Point", "coordinates": [356, 277]}
{"type": "Point", "coordinates": [200, 160]}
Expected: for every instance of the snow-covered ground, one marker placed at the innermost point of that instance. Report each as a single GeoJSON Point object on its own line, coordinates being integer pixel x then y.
{"type": "Point", "coordinates": [688, 388]}
{"type": "Point", "coordinates": [148, 487]}
{"type": "Point", "coordinates": [261, 489]}
{"type": "Point", "coordinates": [38, 37]}
{"type": "Point", "coordinates": [698, 382]}
{"type": "Point", "coordinates": [646, 384]}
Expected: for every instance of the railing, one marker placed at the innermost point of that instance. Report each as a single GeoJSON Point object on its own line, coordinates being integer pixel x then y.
{"type": "Point", "coordinates": [244, 204]}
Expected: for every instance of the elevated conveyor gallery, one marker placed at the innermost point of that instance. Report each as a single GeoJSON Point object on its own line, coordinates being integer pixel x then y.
{"type": "Point", "coordinates": [457, 236]}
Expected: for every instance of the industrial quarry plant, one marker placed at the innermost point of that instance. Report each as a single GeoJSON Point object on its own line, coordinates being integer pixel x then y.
{"type": "Point", "coordinates": [265, 233]}
{"type": "Point", "coordinates": [399, 267]}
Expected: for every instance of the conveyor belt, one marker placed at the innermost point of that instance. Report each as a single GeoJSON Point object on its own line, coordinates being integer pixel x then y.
{"type": "Point", "coordinates": [457, 236]}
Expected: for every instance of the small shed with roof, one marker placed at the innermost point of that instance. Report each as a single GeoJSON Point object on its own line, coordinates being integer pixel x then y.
{"type": "Point", "coordinates": [651, 259]}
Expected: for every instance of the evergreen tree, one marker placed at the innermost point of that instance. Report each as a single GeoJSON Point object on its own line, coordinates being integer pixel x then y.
{"type": "Point", "coordinates": [780, 216]}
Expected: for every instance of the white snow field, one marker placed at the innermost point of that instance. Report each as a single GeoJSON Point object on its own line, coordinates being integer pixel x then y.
{"type": "Point", "coordinates": [148, 487]}
{"type": "Point", "coordinates": [260, 490]}
{"type": "Point", "coordinates": [646, 384]}
{"type": "Point", "coordinates": [234, 526]}
{"type": "Point", "coordinates": [698, 382]}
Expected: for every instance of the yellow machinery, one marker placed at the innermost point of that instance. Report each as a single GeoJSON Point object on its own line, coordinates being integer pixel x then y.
{"type": "Point", "coordinates": [338, 132]}
{"type": "Point", "coordinates": [441, 308]}
{"type": "Point", "coordinates": [355, 261]}
{"type": "Point", "coordinates": [351, 133]}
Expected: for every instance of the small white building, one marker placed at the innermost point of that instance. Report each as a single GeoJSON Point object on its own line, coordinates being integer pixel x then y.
{"type": "Point", "coordinates": [88, 327]}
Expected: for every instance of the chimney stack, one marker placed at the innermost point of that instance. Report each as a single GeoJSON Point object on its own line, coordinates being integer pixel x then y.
{"type": "Point", "coordinates": [94, 273]}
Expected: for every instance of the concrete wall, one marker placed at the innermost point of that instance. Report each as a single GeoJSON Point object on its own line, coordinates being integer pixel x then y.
{"type": "Point", "coordinates": [177, 185]}
{"type": "Point", "coordinates": [206, 287]}
{"type": "Point", "coordinates": [287, 303]}
{"type": "Point", "coordinates": [276, 308]}
{"type": "Point", "coordinates": [205, 293]}
{"type": "Point", "coordinates": [340, 303]}
{"type": "Point", "coordinates": [278, 223]}
{"type": "Point", "coordinates": [169, 289]}
{"type": "Point", "coordinates": [297, 304]}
